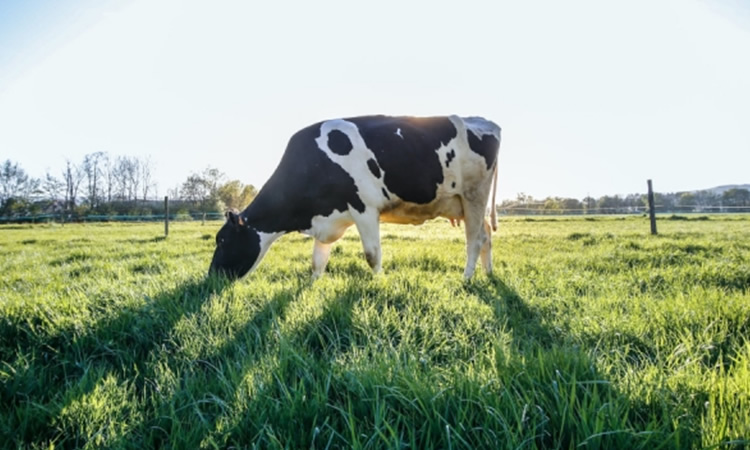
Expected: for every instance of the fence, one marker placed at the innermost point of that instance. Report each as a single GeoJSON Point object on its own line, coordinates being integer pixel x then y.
{"type": "Point", "coordinates": [67, 218]}
{"type": "Point", "coordinates": [504, 211]}
{"type": "Point", "coordinates": [659, 209]}
{"type": "Point", "coordinates": [508, 209]}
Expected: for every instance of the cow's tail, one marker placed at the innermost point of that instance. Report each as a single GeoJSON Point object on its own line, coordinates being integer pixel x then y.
{"type": "Point", "coordinates": [493, 206]}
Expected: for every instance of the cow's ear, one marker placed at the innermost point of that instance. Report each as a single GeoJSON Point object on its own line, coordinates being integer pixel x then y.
{"type": "Point", "coordinates": [234, 217]}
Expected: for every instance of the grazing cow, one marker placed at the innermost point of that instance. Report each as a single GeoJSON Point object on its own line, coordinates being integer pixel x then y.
{"type": "Point", "coordinates": [363, 171]}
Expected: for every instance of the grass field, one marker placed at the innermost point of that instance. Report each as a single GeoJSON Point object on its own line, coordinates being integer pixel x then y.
{"type": "Point", "coordinates": [591, 334]}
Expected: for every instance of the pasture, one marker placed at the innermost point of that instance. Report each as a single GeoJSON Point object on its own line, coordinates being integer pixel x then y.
{"type": "Point", "coordinates": [590, 334]}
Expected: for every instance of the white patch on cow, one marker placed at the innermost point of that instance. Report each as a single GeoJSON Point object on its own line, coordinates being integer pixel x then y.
{"type": "Point", "coordinates": [328, 229]}
{"type": "Point", "coordinates": [266, 239]}
{"type": "Point", "coordinates": [398, 133]}
{"type": "Point", "coordinates": [369, 188]}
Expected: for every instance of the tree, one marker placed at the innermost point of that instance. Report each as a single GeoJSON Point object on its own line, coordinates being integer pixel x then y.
{"type": "Point", "coordinates": [524, 199]}
{"type": "Point", "coordinates": [589, 204]}
{"type": "Point", "coordinates": [194, 189]}
{"type": "Point", "coordinates": [203, 190]}
{"type": "Point", "coordinates": [571, 205]}
{"type": "Point", "coordinates": [14, 183]}
{"type": "Point", "coordinates": [125, 172]}
{"type": "Point", "coordinates": [72, 177]}
{"type": "Point", "coordinates": [16, 189]}
{"type": "Point", "coordinates": [687, 201]}
{"type": "Point", "coordinates": [174, 193]}
{"type": "Point", "coordinates": [736, 197]}
{"type": "Point", "coordinates": [634, 202]}
{"type": "Point", "coordinates": [609, 204]}
{"type": "Point", "coordinates": [93, 169]}
{"type": "Point", "coordinates": [707, 200]}
{"type": "Point", "coordinates": [109, 178]}
{"type": "Point", "coordinates": [213, 178]}
{"type": "Point", "coordinates": [551, 206]}
{"type": "Point", "coordinates": [52, 188]}
{"type": "Point", "coordinates": [234, 194]}
{"type": "Point", "coordinates": [663, 202]}
{"type": "Point", "coordinates": [132, 176]}
{"type": "Point", "coordinates": [145, 172]}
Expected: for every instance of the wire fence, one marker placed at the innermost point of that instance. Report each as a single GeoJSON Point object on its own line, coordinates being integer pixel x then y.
{"type": "Point", "coordinates": [69, 218]}
{"type": "Point", "coordinates": [504, 211]}
{"type": "Point", "coordinates": [659, 209]}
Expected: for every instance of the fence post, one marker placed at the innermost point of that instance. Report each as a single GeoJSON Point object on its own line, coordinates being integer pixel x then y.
{"type": "Point", "coordinates": [651, 210]}
{"type": "Point", "coordinates": [166, 216]}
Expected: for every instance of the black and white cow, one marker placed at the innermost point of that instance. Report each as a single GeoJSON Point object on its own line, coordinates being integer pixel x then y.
{"type": "Point", "coordinates": [363, 171]}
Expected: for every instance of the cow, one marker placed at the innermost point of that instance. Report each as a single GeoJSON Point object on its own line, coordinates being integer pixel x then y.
{"type": "Point", "coordinates": [366, 170]}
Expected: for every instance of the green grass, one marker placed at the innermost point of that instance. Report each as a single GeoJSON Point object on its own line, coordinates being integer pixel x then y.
{"type": "Point", "coordinates": [591, 334]}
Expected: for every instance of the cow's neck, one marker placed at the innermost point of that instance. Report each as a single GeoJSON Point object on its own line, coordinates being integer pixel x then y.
{"type": "Point", "coordinates": [275, 211]}
{"type": "Point", "coordinates": [266, 215]}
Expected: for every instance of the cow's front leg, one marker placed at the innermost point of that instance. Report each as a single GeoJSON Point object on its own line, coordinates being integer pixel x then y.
{"type": "Point", "coordinates": [368, 225]}
{"type": "Point", "coordinates": [321, 253]}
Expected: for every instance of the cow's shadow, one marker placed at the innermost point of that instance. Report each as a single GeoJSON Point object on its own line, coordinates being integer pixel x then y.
{"type": "Point", "coordinates": [85, 359]}
{"type": "Point", "coordinates": [257, 349]}
{"type": "Point", "coordinates": [524, 322]}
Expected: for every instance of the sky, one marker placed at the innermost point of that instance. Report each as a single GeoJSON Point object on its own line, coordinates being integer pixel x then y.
{"type": "Point", "coordinates": [593, 97]}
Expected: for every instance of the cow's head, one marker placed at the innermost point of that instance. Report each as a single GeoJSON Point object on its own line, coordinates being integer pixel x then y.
{"type": "Point", "coordinates": [237, 247]}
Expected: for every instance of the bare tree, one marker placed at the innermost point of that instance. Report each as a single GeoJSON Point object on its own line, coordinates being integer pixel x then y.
{"type": "Point", "coordinates": [145, 172]}
{"type": "Point", "coordinates": [127, 179]}
{"type": "Point", "coordinates": [108, 168]}
{"type": "Point", "coordinates": [72, 177]}
{"type": "Point", "coordinates": [134, 180]}
{"type": "Point", "coordinates": [119, 179]}
{"type": "Point", "coordinates": [174, 193]}
{"type": "Point", "coordinates": [92, 167]}
{"type": "Point", "coordinates": [52, 187]}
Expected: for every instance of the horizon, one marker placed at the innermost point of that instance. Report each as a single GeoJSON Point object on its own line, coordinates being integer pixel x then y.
{"type": "Point", "coordinates": [593, 99]}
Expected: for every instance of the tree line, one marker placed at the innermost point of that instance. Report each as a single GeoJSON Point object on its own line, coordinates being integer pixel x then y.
{"type": "Point", "coordinates": [102, 184]}
{"type": "Point", "coordinates": [730, 200]}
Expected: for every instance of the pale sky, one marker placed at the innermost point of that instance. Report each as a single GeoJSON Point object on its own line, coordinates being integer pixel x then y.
{"type": "Point", "coordinates": [594, 97]}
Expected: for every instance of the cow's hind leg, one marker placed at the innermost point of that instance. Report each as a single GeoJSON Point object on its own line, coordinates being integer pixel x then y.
{"type": "Point", "coordinates": [321, 253]}
{"type": "Point", "coordinates": [477, 238]}
{"type": "Point", "coordinates": [368, 225]}
{"type": "Point", "coordinates": [486, 251]}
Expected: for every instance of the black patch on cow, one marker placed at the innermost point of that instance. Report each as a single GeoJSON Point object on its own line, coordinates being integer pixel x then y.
{"type": "Point", "coordinates": [449, 157]}
{"type": "Point", "coordinates": [486, 147]}
{"type": "Point", "coordinates": [410, 162]}
{"type": "Point", "coordinates": [339, 142]}
{"type": "Point", "coordinates": [304, 185]}
{"type": "Point", "coordinates": [374, 168]}
{"type": "Point", "coordinates": [453, 184]}
{"type": "Point", "coordinates": [385, 193]}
